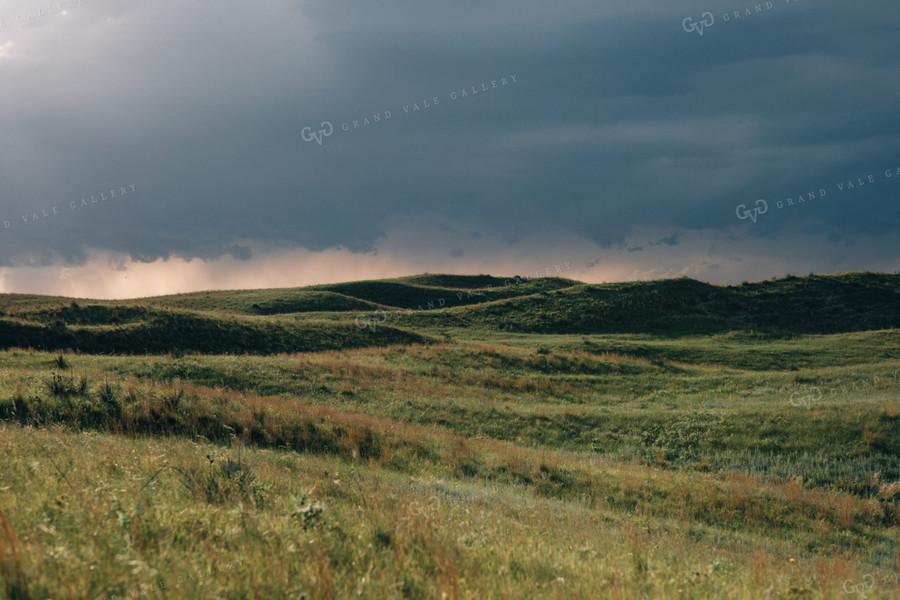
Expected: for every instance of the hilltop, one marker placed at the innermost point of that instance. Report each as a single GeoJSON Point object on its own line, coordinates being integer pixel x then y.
{"type": "Point", "coordinates": [793, 305]}
{"type": "Point", "coordinates": [415, 309]}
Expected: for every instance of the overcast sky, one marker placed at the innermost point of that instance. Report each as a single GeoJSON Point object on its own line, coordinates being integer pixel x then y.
{"type": "Point", "coordinates": [619, 140]}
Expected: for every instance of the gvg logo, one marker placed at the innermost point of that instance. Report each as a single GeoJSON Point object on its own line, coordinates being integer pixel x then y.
{"type": "Point", "coordinates": [319, 136]}
{"type": "Point", "coordinates": [431, 506]}
{"type": "Point", "coordinates": [372, 323]}
{"type": "Point", "coordinates": [744, 213]}
{"type": "Point", "coordinates": [859, 588]}
{"type": "Point", "coordinates": [706, 20]}
{"type": "Point", "coordinates": [798, 399]}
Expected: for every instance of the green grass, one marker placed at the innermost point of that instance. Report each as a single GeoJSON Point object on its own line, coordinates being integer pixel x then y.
{"type": "Point", "coordinates": [192, 447]}
{"type": "Point", "coordinates": [178, 331]}
{"type": "Point", "coordinates": [677, 307]}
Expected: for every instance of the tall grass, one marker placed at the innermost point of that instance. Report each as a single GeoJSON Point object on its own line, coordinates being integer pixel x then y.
{"type": "Point", "coordinates": [12, 575]}
{"type": "Point", "coordinates": [247, 444]}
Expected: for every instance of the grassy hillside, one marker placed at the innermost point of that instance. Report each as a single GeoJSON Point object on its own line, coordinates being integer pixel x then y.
{"type": "Point", "coordinates": [519, 445]}
{"type": "Point", "coordinates": [264, 302]}
{"type": "Point", "coordinates": [815, 304]}
{"type": "Point", "coordinates": [217, 323]}
{"type": "Point", "coordinates": [139, 331]}
{"type": "Point", "coordinates": [406, 292]}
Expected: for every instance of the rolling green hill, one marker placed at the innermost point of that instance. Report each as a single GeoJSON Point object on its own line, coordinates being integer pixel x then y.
{"type": "Point", "coordinates": [814, 304]}
{"type": "Point", "coordinates": [264, 302]}
{"type": "Point", "coordinates": [162, 331]}
{"type": "Point", "coordinates": [538, 438]}
{"type": "Point", "coordinates": [336, 315]}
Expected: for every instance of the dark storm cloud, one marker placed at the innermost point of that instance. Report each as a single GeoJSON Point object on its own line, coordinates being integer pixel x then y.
{"type": "Point", "coordinates": [619, 119]}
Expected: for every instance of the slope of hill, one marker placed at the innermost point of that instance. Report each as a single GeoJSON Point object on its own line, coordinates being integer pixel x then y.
{"type": "Point", "coordinates": [408, 293]}
{"type": "Point", "coordinates": [161, 331]}
{"type": "Point", "coordinates": [814, 304]}
{"type": "Point", "coordinates": [263, 302]}
{"type": "Point", "coordinates": [336, 315]}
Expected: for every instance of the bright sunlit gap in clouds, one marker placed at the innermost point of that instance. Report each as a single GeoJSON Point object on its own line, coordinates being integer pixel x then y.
{"type": "Point", "coordinates": [702, 256]}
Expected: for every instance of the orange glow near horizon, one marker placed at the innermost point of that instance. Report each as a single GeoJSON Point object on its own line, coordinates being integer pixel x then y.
{"type": "Point", "coordinates": [108, 276]}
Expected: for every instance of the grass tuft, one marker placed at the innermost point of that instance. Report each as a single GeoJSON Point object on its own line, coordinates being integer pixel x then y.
{"type": "Point", "coordinates": [60, 386]}
{"type": "Point", "coordinates": [12, 575]}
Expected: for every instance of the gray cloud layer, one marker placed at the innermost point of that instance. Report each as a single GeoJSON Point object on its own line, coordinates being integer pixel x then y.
{"type": "Point", "coordinates": [618, 120]}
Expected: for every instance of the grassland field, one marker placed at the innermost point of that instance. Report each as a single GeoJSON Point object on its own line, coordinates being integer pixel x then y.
{"type": "Point", "coordinates": [446, 436]}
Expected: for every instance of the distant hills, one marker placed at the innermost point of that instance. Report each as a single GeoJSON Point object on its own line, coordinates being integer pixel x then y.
{"type": "Point", "coordinates": [793, 305]}
{"type": "Point", "coordinates": [416, 309]}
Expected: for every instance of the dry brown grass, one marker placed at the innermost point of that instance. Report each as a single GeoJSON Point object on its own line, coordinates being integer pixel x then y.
{"type": "Point", "coordinates": [845, 511]}
{"type": "Point", "coordinates": [12, 575]}
{"type": "Point", "coordinates": [871, 436]}
{"type": "Point", "coordinates": [19, 394]}
{"type": "Point", "coordinates": [323, 580]}
{"type": "Point", "coordinates": [760, 566]}
{"type": "Point", "coordinates": [457, 453]}
{"type": "Point", "coordinates": [889, 490]}
{"type": "Point", "coordinates": [831, 572]}
{"type": "Point", "coordinates": [489, 349]}
{"type": "Point", "coordinates": [793, 489]}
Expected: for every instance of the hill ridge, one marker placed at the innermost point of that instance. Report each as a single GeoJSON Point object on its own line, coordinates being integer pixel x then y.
{"type": "Point", "coordinates": [354, 314]}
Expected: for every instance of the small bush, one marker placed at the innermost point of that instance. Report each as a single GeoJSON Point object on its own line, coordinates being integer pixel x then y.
{"type": "Point", "coordinates": [223, 481]}
{"type": "Point", "coordinates": [60, 386]}
{"type": "Point", "coordinates": [173, 400]}
{"type": "Point", "coordinates": [309, 514]}
{"type": "Point", "coordinates": [60, 362]}
{"type": "Point", "coordinates": [109, 398]}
